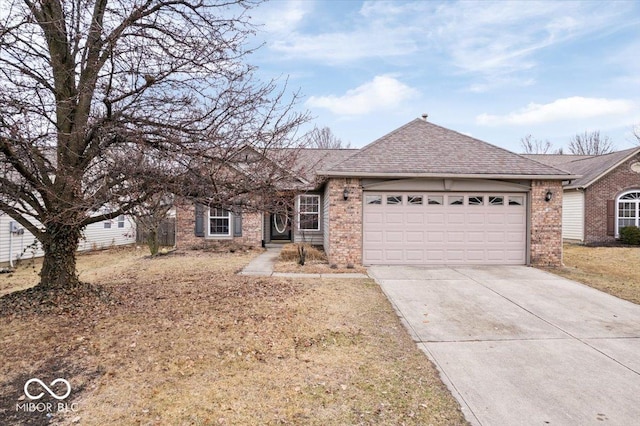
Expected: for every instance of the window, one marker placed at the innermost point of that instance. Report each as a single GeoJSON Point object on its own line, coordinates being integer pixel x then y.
{"type": "Point", "coordinates": [414, 200]}
{"type": "Point", "coordinates": [309, 212]}
{"type": "Point", "coordinates": [394, 199]}
{"type": "Point", "coordinates": [121, 221]}
{"type": "Point", "coordinates": [476, 200]}
{"type": "Point", "coordinates": [495, 200]}
{"type": "Point", "coordinates": [516, 200]}
{"type": "Point", "coordinates": [435, 200]}
{"type": "Point", "coordinates": [219, 222]}
{"type": "Point", "coordinates": [373, 199]}
{"type": "Point", "coordinates": [455, 200]}
{"type": "Point", "coordinates": [106, 224]}
{"type": "Point", "coordinates": [628, 210]}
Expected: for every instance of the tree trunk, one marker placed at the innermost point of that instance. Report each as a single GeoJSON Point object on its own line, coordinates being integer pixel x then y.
{"type": "Point", "coordinates": [59, 265]}
{"type": "Point", "coordinates": [152, 241]}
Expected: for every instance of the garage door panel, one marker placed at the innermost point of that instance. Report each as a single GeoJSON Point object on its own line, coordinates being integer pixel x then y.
{"type": "Point", "coordinates": [415, 237]}
{"type": "Point", "coordinates": [444, 234]}
{"type": "Point", "coordinates": [394, 236]}
{"type": "Point", "coordinates": [415, 218]}
{"type": "Point", "coordinates": [435, 237]}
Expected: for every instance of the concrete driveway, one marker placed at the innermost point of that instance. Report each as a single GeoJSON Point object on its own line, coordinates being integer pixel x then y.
{"type": "Point", "coordinates": [517, 345]}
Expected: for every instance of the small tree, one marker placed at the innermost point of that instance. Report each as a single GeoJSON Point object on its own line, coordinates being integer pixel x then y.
{"type": "Point", "coordinates": [535, 146]}
{"type": "Point", "coordinates": [149, 217]}
{"type": "Point", "coordinates": [590, 143]}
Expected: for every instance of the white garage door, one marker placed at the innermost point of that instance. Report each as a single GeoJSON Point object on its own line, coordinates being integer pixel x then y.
{"type": "Point", "coordinates": [444, 228]}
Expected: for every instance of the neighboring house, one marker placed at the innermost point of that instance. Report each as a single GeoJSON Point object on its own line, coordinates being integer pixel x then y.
{"type": "Point", "coordinates": [422, 194]}
{"type": "Point", "coordinates": [17, 243]}
{"type": "Point", "coordinates": [604, 199]}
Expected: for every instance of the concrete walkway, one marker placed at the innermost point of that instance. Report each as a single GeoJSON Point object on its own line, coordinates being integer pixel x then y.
{"type": "Point", "coordinates": [262, 266]}
{"type": "Point", "coordinates": [520, 346]}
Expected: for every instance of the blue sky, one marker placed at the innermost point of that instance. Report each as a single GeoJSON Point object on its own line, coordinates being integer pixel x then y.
{"type": "Point", "coordinates": [494, 70]}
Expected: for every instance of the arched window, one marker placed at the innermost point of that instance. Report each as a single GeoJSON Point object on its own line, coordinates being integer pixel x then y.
{"type": "Point", "coordinates": [628, 210]}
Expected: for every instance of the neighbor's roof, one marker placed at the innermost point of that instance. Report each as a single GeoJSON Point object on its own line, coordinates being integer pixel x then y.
{"type": "Point", "coordinates": [423, 149]}
{"type": "Point", "coordinates": [555, 160]}
{"type": "Point", "coordinates": [311, 160]}
{"type": "Point", "coordinates": [591, 168]}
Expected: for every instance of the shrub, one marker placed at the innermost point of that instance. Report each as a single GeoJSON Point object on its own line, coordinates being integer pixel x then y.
{"type": "Point", "coordinates": [630, 235]}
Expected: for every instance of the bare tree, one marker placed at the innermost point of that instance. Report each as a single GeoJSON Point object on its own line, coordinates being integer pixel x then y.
{"type": "Point", "coordinates": [107, 102]}
{"type": "Point", "coordinates": [590, 143]}
{"type": "Point", "coordinates": [535, 146]}
{"type": "Point", "coordinates": [636, 133]}
{"type": "Point", "coordinates": [325, 139]}
{"type": "Point", "coordinates": [150, 215]}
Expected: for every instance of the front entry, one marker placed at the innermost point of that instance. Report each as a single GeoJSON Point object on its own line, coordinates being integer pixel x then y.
{"type": "Point", "coordinates": [280, 227]}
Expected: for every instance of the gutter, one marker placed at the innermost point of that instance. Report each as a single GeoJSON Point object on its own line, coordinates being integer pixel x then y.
{"type": "Point", "coordinates": [446, 175]}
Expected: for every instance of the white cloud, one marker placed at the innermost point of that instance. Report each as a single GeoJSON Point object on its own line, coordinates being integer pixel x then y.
{"type": "Point", "coordinates": [381, 93]}
{"type": "Point", "coordinates": [285, 18]}
{"type": "Point", "coordinates": [573, 108]}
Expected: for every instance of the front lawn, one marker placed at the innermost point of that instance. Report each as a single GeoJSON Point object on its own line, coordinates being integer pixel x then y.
{"type": "Point", "coordinates": [181, 339]}
{"type": "Point", "coordinates": [615, 270]}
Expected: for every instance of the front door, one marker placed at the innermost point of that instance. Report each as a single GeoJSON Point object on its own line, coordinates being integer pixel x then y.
{"type": "Point", "coordinates": [280, 226]}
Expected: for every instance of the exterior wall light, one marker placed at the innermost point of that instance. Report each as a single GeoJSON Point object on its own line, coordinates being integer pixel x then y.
{"type": "Point", "coordinates": [548, 196]}
{"type": "Point", "coordinates": [345, 194]}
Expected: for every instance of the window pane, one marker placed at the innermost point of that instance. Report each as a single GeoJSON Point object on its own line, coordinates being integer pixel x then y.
{"type": "Point", "coordinates": [373, 199]}
{"type": "Point", "coordinates": [309, 203]}
{"type": "Point", "coordinates": [435, 200]}
{"type": "Point", "coordinates": [414, 199]}
{"type": "Point", "coordinates": [496, 200]}
{"type": "Point", "coordinates": [476, 200]}
{"type": "Point", "coordinates": [219, 226]}
{"type": "Point", "coordinates": [394, 199]}
{"type": "Point", "coordinates": [107, 225]}
{"type": "Point", "coordinates": [455, 200]}
{"type": "Point", "coordinates": [309, 221]}
{"type": "Point", "coordinates": [516, 200]}
{"type": "Point", "coordinates": [631, 196]}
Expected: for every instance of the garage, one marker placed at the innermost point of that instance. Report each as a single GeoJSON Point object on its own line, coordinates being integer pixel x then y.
{"type": "Point", "coordinates": [444, 228]}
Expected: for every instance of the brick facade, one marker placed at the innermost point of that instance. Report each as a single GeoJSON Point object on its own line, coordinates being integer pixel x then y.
{"type": "Point", "coordinates": [619, 180]}
{"type": "Point", "coordinates": [345, 222]}
{"type": "Point", "coordinates": [252, 223]}
{"type": "Point", "coordinates": [546, 224]}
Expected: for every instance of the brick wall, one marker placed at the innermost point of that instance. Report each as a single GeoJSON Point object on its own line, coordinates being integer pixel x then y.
{"type": "Point", "coordinates": [608, 188]}
{"type": "Point", "coordinates": [345, 222]}
{"type": "Point", "coordinates": [546, 224]}
{"type": "Point", "coordinates": [185, 229]}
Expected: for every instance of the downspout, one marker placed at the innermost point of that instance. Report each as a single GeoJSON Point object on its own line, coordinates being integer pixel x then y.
{"type": "Point", "coordinates": [10, 247]}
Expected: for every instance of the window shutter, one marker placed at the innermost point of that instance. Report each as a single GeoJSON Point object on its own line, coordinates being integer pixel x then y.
{"type": "Point", "coordinates": [199, 229]}
{"type": "Point", "coordinates": [237, 224]}
{"type": "Point", "coordinates": [611, 217]}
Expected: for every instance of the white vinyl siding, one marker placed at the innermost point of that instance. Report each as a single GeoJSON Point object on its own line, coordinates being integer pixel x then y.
{"type": "Point", "coordinates": [95, 236]}
{"type": "Point", "coordinates": [573, 215]}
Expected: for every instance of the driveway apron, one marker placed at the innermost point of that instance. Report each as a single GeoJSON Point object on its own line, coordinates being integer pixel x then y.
{"type": "Point", "coordinates": [517, 345]}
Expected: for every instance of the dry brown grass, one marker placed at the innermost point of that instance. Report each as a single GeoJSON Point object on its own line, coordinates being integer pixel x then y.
{"type": "Point", "coordinates": [615, 270]}
{"type": "Point", "coordinates": [183, 340]}
{"type": "Point", "coordinates": [316, 262]}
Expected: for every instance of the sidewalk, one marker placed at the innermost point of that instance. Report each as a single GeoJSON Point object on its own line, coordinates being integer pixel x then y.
{"type": "Point", "coordinates": [262, 266]}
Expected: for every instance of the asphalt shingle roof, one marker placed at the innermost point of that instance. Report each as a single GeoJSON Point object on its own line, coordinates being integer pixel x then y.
{"type": "Point", "coordinates": [423, 148]}
{"type": "Point", "coordinates": [590, 168]}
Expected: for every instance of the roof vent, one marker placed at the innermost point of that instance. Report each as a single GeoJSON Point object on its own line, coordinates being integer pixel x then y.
{"type": "Point", "coordinates": [425, 116]}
